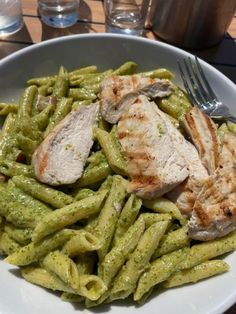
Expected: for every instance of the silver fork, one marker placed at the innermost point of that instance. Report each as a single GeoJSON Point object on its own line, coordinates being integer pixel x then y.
{"type": "Point", "coordinates": [200, 91]}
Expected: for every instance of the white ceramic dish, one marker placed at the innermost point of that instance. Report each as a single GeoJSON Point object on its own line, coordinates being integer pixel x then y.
{"type": "Point", "coordinates": [211, 296]}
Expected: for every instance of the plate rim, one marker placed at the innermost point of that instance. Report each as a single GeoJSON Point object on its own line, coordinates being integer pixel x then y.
{"type": "Point", "coordinates": [111, 35]}
{"type": "Point", "coordinates": [223, 306]}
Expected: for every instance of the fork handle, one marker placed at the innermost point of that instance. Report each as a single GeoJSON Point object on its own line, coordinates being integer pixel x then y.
{"type": "Point", "coordinates": [224, 118]}
{"type": "Point", "coordinates": [231, 118]}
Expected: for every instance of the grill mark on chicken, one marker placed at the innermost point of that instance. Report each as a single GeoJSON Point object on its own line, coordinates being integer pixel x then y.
{"type": "Point", "coordinates": [150, 182]}
{"type": "Point", "coordinates": [203, 217]}
{"type": "Point", "coordinates": [203, 133]}
{"type": "Point", "coordinates": [117, 88]}
{"type": "Point", "coordinates": [122, 135]}
{"type": "Point", "coordinates": [214, 215]}
{"type": "Point", "coordinates": [70, 141]}
{"type": "Point", "coordinates": [184, 195]}
{"type": "Point", "coordinates": [225, 207]}
{"type": "Point", "coordinates": [118, 92]}
{"type": "Point", "coordinates": [154, 164]}
{"type": "Point", "coordinates": [195, 134]}
{"type": "Point", "coordinates": [130, 135]}
{"type": "Point", "coordinates": [139, 155]}
{"type": "Point", "coordinates": [214, 212]}
{"type": "Point", "coordinates": [137, 116]}
{"type": "Point", "coordinates": [229, 148]}
{"type": "Point", "coordinates": [215, 140]}
{"type": "Point", "coordinates": [190, 199]}
{"type": "Point", "coordinates": [43, 164]}
{"type": "Point", "coordinates": [211, 191]}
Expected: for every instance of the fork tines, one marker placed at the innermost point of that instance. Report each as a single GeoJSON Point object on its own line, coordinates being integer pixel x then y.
{"type": "Point", "coordinates": [196, 84]}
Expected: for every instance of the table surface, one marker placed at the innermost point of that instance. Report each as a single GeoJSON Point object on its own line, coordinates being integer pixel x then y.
{"type": "Point", "coordinates": [92, 20]}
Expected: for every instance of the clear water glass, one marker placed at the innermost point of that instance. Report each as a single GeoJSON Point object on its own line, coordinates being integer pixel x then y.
{"type": "Point", "coordinates": [126, 16]}
{"type": "Point", "coordinates": [59, 14]}
{"type": "Point", "coordinates": [11, 19]}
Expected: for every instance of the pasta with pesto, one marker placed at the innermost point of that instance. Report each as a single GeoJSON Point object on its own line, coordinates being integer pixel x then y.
{"type": "Point", "coordinates": [96, 240]}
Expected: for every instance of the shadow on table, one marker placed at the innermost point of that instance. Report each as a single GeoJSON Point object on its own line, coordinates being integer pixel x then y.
{"type": "Point", "coordinates": [22, 36]}
{"type": "Point", "coordinates": [83, 25]}
{"type": "Point", "coordinates": [221, 56]}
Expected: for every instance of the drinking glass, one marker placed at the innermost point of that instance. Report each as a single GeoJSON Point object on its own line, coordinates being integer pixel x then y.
{"type": "Point", "coordinates": [59, 13]}
{"type": "Point", "coordinates": [11, 19]}
{"type": "Point", "coordinates": [126, 16]}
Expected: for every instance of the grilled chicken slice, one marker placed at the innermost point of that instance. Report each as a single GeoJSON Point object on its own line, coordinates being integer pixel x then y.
{"type": "Point", "coordinates": [61, 157]}
{"type": "Point", "coordinates": [184, 195]}
{"type": "Point", "coordinates": [214, 212]}
{"type": "Point", "coordinates": [203, 133]}
{"type": "Point", "coordinates": [154, 164]}
{"type": "Point", "coordinates": [118, 92]}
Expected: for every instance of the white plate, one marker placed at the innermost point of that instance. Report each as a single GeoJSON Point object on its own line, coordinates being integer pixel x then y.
{"type": "Point", "coordinates": [211, 296]}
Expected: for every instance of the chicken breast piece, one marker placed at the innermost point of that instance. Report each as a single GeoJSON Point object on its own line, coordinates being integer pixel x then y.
{"type": "Point", "coordinates": [214, 212]}
{"type": "Point", "coordinates": [118, 92]}
{"type": "Point", "coordinates": [154, 164]}
{"type": "Point", "coordinates": [61, 157]}
{"type": "Point", "coordinates": [184, 195]}
{"type": "Point", "coordinates": [203, 133]}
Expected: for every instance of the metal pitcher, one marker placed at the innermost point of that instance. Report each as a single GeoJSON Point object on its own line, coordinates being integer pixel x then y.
{"type": "Point", "coordinates": [191, 23]}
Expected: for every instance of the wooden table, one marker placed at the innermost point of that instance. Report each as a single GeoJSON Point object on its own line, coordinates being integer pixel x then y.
{"type": "Point", "coordinates": [92, 20]}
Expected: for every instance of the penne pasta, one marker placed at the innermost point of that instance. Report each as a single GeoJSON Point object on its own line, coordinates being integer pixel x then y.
{"type": "Point", "coordinates": [207, 250]}
{"type": "Point", "coordinates": [82, 242]}
{"type": "Point", "coordinates": [6, 108]}
{"type": "Point", "coordinates": [7, 244]}
{"type": "Point", "coordinates": [44, 278]}
{"type": "Point", "coordinates": [68, 215]}
{"type": "Point", "coordinates": [172, 241]}
{"type": "Point", "coordinates": [198, 272]}
{"type": "Point", "coordinates": [42, 192]}
{"type": "Point", "coordinates": [91, 287]}
{"type": "Point", "coordinates": [114, 157]}
{"type": "Point", "coordinates": [109, 214]}
{"type": "Point", "coordinates": [127, 217]}
{"type": "Point", "coordinates": [126, 280]}
{"type": "Point", "coordinates": [21, 236]}
{"type": "Point", "coordinates": [12, 168]}
{"type": "Point", "coordinates": [95, 241]}
{"type": "Point", "coordinates": [160, 269]}
{"type": "Point", "coordinates": [33, 252]}
{"type": "Point", "coordinates": [163, 205]}
{"type": "Point", "coordinates": [62, 266]}
{"type": "Point", "coordinates": [25, 109]}
{"type": "Point", "coordinates": [117, 256]}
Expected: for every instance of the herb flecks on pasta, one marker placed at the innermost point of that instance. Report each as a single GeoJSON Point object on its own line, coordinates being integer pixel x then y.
{"type": "Point", "coordinates": [94, 241]}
